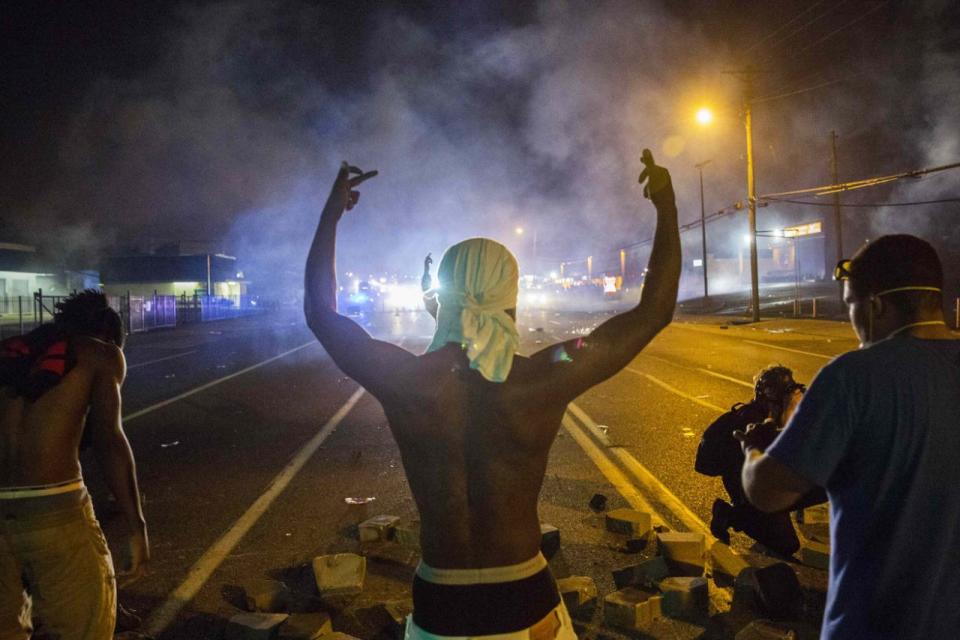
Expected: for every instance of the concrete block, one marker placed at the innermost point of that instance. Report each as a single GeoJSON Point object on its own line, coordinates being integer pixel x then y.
{"type": "Point", "coordinates": [631, 608]}
{"type": "Point", "coordinates": [815, 554]}
{"type": "Point", "coordinates": [685, 597]}
{"type": "Point", "coordinates": [725, 565]}
{"type": "Point", "coordinates": [407, 534]}
{"type": "Point", "coordinates": [644, 574]}
{"type": "Point", "coordinates": [377, 528]}
{"type": "Point", "coordinates": [683, 551]}
{"type": "Point", "coordinates": [629, 522]}
{"type": "Point", "coordinates": [549, 540]}
{"type": "Point", "coordinates": [254, 626]}
{"type": "Point", "coordinates": [341, 574]}
{"type": "Point", "coordinates": [636, 545]}
{"type": "Point", "coordinates": [766, 630]}
{"type": "Point", "coordinates": [778, 591]}
{"type": "Point", "coordinates": [819, 513]}
{"type": "Point", "coordinates": [577, 592]}
{"type": "Point", "coordinates": [305, 626]}
{"type": "Point", "coordinates": [744, 591]}
{"type": "Point", "coordinates": [268, 596]}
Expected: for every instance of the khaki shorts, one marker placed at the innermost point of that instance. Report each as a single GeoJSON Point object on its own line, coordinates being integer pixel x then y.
{"type": "Point", "coordinates": [54, 560]}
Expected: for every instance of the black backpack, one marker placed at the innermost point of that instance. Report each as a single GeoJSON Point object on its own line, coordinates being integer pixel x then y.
{"type": "Point", "coordinates": [718, 453]}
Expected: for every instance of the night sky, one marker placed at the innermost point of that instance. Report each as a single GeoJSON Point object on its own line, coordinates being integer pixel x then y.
{"type": "Point", "coordinates": [128, 124]}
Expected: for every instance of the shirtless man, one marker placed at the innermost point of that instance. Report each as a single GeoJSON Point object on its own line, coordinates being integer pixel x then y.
{"type": "Point", "coordinates": [54, 382]}
{"type": "Point", "coordinates": [474, 422]}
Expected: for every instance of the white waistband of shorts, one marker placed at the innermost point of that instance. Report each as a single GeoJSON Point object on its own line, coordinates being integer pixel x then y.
{"type": "Point", "coordinates": [39, 491]}
{"type": "Point", "coordinates": [485, 575]}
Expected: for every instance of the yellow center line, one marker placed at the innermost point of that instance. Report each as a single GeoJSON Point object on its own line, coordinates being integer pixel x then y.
{"type": "Point", "coordinates": [616, 477]}
{"type": "Point", "coordinates": [732, 564]}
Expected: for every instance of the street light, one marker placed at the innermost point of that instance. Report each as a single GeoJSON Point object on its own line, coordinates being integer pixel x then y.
{"type": "Point", "coordinates": [519, 231]}
{"type": "Point", "coordinates": [704, 117]}
{"type": "Point", "coordinates": [703, 224]}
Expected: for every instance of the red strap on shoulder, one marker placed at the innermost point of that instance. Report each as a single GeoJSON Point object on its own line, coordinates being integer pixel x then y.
{"type": "Point", "coordinates": [54, 359]}
{"type": "Point", "coordinates": [15, 347]}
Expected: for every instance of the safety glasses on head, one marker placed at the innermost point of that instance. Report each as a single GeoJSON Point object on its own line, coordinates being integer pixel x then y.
{"type": "Point", "coordinates": [842, 270]}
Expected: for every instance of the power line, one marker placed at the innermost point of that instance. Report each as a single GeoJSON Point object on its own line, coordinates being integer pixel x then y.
{"type": "Point", "coordinates": [782, 27]}
{"type": "Point", "coordinates": [804, 26]}
{"type": "Point", "coordinates": [804, 90]}
{"type": "Point", "coordinates": [862, 16]}
{"type": "Point", "coordinates": [865, 205]}
{"type": "Point", "coordinates": [859, 184]}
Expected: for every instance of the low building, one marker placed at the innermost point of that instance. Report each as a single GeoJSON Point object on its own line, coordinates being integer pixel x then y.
{"type": "Point", "coordinates": [24, 271]}
{"type": "Point", "coordinates": [215, 274]}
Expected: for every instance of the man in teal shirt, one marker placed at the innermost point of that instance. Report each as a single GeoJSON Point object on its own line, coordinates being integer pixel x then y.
{"type": "Point", "coordinates": [878, 429]}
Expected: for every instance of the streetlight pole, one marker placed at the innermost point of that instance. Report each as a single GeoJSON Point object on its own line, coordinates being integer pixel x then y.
{"type": "Point", "coordinates": [752, 205]}
{"type": "Point", "coordinates": [837, 214]}
{"type": "Point", "coordinates": [535, 257]}
{"type": "Point", "coordinates": [703, 230]}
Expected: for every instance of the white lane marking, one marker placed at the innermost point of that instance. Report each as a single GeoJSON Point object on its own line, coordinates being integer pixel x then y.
{"type": "Point", "coordinates": [201, 571]}
{"type": "Point", "coordinates": [656, 488]}
{"type": "Point", "coordinates": [212, 383]}
{"type": "Point", "coordinates": [608, 469]}
{"type": "Point", "coordinates": [676, 391]}
{"type": "Point", "coordinates": [774, 346]}
{"type": "Point", "coordinates": [749, 385]}
{"type": "Point", "coordinates": [691, 327]}
{"type": "Point", "coordinates": [743, 383]}
{"type": "Point", "coordinates": [176, 355]}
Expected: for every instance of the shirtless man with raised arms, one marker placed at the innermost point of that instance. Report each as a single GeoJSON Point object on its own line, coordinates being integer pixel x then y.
{"type": "Point", "coordinates": [474, 422]}
{"type": "Point", "coordinates": [54, 383]}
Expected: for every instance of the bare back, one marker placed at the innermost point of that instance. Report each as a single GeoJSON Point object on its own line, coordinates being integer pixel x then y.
{"type": "Point", "coordinates": [474, 453]}
{"type": "Point", "coordinates": [39, 440]}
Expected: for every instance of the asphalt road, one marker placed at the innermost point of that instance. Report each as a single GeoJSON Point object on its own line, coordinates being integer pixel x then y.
{"type": "Point", "coordinates": [217, 412]}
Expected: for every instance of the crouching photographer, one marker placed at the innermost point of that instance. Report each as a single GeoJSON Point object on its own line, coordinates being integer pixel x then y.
{"type": "Point", "coordinates": [776, 395]}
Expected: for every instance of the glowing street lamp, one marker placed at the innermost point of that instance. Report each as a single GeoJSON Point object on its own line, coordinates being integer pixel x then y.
{"type": "Point", "coordinates": [519, 231]}
{"type": "Point", "coordinates": [704, 116]}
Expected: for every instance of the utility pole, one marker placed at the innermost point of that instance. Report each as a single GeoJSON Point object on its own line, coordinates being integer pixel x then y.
{"type": "Point", "coordinates": [703, 230]}
{"type": "Point", "coordinates": [837, 213]}
{"type": "Point", "coordinates": [747, 75]}
{"type": "Point", "coordinates": [752, 204]}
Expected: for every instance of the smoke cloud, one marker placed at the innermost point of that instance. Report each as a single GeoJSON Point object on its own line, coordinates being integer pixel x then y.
{"type": "Point", "coordinates": [477, 126]}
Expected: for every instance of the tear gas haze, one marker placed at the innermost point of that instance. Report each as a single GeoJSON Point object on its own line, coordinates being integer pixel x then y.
{"type": "Point", "coordinates": [230, 129]}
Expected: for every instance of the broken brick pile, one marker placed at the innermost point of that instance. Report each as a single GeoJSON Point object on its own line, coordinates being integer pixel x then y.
{"type": "Point", "coordinates": [277, 612]}
{"type": "Point", "coordinates": [676, 583]}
